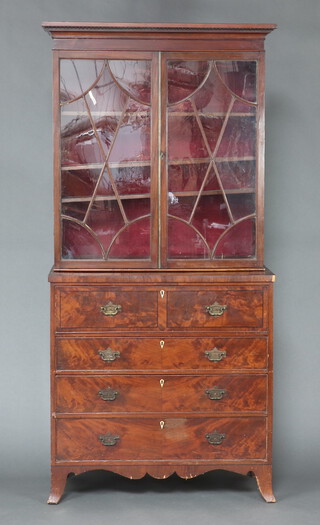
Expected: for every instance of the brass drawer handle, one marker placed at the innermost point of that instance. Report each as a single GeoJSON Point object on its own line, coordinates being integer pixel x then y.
{"type": "Point", "coordinates": [215, 393]}
{"type": "Point", "coordinates": [110, 308]}
{"type": "Point", "coordinates": [215, 438]}
{"type": "Point", "coordinates": [108, 440]}
{"type": "Point", "coordinates": [108, 394]}
{"type": "Point", "coordinates": [109, 354]}
{"type": "Point", "coordinates": [215, 354]}
{"type": "Point", "coordinates": [216, 309]}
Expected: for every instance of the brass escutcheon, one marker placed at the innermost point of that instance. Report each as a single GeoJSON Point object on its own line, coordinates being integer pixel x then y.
{"type": "Point", "coordinates": [109, 354]}
{"type": "Point", "coordinates": [108, 394]}
{"type": "Point", "coordinates": [215, 309]}
{"type": "Point", "coordinates": [161, 382]}
{"type": "Point", "coordinates": [109, 440]}
{"type": "Point", "coordinates": [215, 354]}
{"type": "Point", "coordinates": [161, 344]}
{"type": "Point", "coordinates": [215, 438]}
{"type": "Point", "coordinates": [110, 308]}
{"type": "Point", "coordinates": [162, 294]}
{"type": "Point", "coordinates": [215, 393]}
{"type": "Point", "coordinates": [161, 424]}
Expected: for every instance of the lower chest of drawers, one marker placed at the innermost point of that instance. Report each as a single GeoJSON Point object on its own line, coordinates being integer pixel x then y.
{"type": "Point", "coordinates": [161, 374]}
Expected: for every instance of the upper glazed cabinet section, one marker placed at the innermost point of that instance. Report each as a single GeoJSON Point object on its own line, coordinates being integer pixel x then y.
{"type": "Point", "coordinates": [159, 154]}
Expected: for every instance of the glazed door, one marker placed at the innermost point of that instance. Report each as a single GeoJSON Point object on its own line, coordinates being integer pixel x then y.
{"type": "Point", "coordinates": [211, 112]}
{"type": "Point", "coordinates": [161, 160]}
{"type": "Point", "coordinates": [108, 137]}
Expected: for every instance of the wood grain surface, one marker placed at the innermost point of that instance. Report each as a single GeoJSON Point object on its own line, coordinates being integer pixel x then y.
{"type": "Point", "coordinates": [141, 393]}
{"type": "Point", "coordinates": [82, 353]}
{"type": "Point", "coordinates": [142, 438]}
{"type": "Point", "coordinates": [187, 309]}
{"type": "Point", "coordinates": [82, 309]}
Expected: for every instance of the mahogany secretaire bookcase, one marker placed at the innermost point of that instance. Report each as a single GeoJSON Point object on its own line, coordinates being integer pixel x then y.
{"type": "Point", "coordinates": [161, 356]}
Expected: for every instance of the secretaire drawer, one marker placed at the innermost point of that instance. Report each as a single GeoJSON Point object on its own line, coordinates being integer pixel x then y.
{"type": "Point", "coordinates": [108, 309]}
{"type": "Point", "coordinates": [217, 308]}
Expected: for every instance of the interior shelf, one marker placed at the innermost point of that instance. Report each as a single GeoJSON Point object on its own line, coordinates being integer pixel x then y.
{"type": "Point", "coordinates": [123, 164]}
{"type": "Point", "coordinates": [147, 113]}
{"type": "Point", "coordinates": [173, 162]}
{"type": "Point", "coordinates": [208, 114]}
{"type": "Point", "coordinates": [100, 198]}
{"type": "Point", "coordinates": [206, 160]}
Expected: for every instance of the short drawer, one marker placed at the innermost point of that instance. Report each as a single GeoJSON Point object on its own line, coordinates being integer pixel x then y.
{"type": "Point", "coordinates": [215, 438]}
{"type": "Point", "coordinates": [80, 394]}
{"type": "Point", "coordinates": [144, 353]}
{"type": "Point", "coordinates": [214, 393]}
{"type": "Point", "coordinates": [102, 308]}
{"type": "Point", "coordinates": [108, 439]}
{"type": "Point", "coordinates": [100, 353]}
{"type": "Point", "coordinates": [216, 308]}
{"type": "Point", "coordinates": [191, 439]}
{"type": "Point", "coordinates": [215, 353]}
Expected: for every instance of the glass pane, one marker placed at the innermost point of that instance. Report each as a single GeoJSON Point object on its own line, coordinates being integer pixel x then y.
{"type": "Point", "coordinates": [78, 242]}
{"type": "Point", "coordinates": [188, 141]}
{"type": "Point", "coordinates": [130, 180]}
{"type": "Point", "coordinates": [184, 77]}
{"type": "Point", "coordinates": [76, 210]}
{"type": "Point", "coordinates": [240, 77]}
{"type": "Point", "coordinates": [79, 143]}
{"type": "Point", "coordinates": [238, 242]}
{"type": "Point", "coordinates": [237, 175]}
{"type": "Point", "coordinates": [105, 158]}
{"type": "Point", "coordinates": [242, 205]}
{"type": "Point", "coordinates": [77, 77]}
{"type": "Point", "coordinates": [186, 242]}
{"type": "Point", "coordinates": [211, 122]}
{"type": "Point", "coordinates": [185, 178]}
{"type": "Point", "coordinates": [133, 242]}
{"type": "Point", "coordinates": [134, 133]}
{"type": "Point", "coordinates": [78, 182]}
{"type": "Point", "coordinates": [211, 218]}
{"type": "Point", "coordinates": [181, 207]}
{"type": "Point", "coordinates": [238, 139]}
{"type": "Point", "coordinates": [134, 77]}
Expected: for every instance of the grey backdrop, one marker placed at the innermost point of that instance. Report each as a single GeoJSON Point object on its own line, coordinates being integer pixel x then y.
{"type": "Point", "coordinates": [292, 250]}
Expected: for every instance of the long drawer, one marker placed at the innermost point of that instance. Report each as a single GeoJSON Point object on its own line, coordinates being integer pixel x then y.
{"type": "Point", "coordinates": [158, 353]}
{"type": "Point", "coordinates": [139, 393]}
{"type": "Point", "coordinates": [100, 439]}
